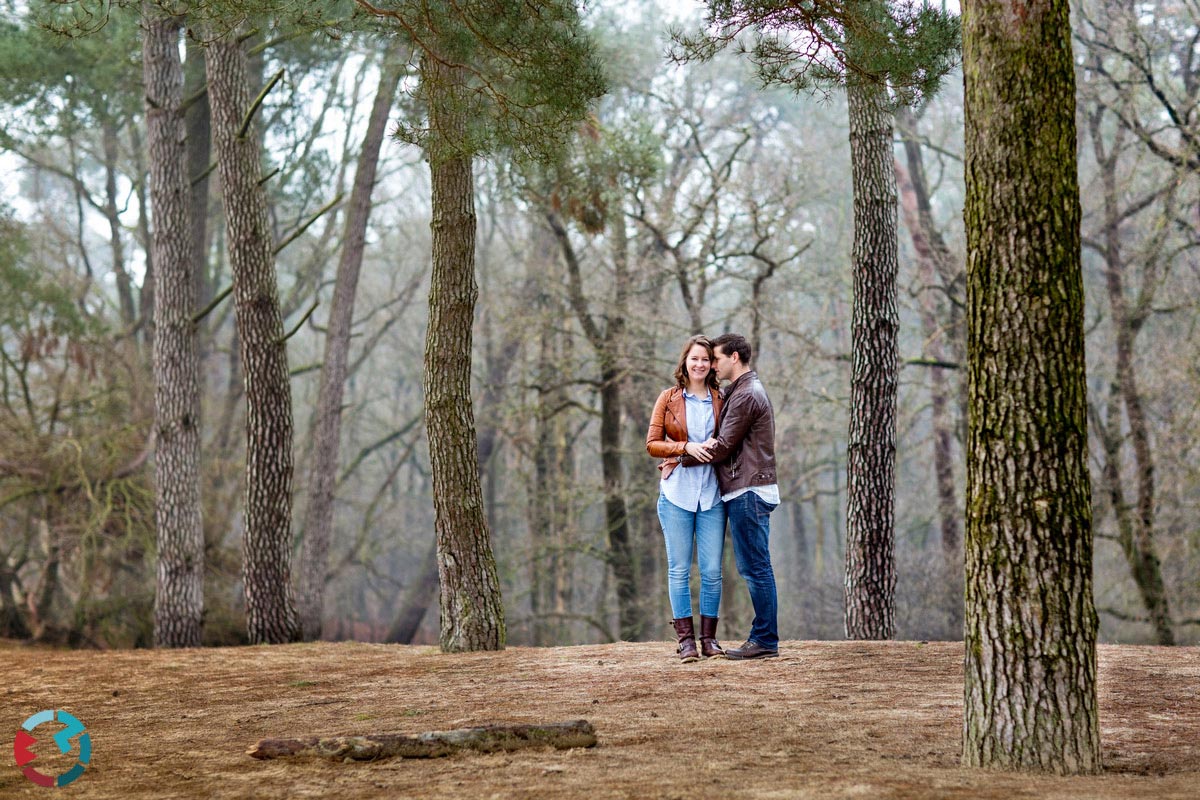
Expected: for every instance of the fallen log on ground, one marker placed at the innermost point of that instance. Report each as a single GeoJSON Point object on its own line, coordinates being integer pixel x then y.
{"type": "Point", "coordinates": [431, 744]}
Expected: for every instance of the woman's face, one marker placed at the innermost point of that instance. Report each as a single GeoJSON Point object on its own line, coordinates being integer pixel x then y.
{"type": "Point", "coordinates": [698, 363]}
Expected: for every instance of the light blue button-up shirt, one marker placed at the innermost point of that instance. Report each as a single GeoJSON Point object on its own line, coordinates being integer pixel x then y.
{"type": "Point", "coordinates": [694, 488]}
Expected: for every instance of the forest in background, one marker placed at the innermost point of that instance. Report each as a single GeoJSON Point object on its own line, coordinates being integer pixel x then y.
{"type": "Point", "coordinates": [693, 199]}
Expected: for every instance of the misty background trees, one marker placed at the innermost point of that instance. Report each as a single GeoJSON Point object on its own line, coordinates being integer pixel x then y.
{"type": "Point", "coordinates": [691, 198]}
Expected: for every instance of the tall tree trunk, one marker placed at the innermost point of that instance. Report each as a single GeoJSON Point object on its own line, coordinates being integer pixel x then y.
{"type": "Point", "coordinates": [551, 515]}
{"type": "Point", "coordinates": [198, 120]}
{"type": "Point", "coordinates": [913, 194]}
{"type": "Point", "coordinates": [948, 268]}
{"type": "Point", "coordinates": [327, 426]}
{"type": "Point", "coordinates": [1135, 527]}
{"type": "Point", "coordinates": [605, 343]}
{"type": "Point", "coordinates": [616, 516]}
{"type": "Point", "coordinates": [472, 612]}
{"type": "Point", "coordinates": [179, 593]}
{"type": "Point", "coordinates": [871, 457]}
{"type": "Point", "coordinates": [266, 543]}
{"type": "Point", "coordinates": [1030, 667]}
{"type": "Point", "coordinates": [550, 398]}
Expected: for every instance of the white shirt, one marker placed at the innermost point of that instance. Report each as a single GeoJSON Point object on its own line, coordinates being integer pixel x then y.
{"type": "Point", "coordinates": [769, 493]}
{"type": "Point", "coordinates": [694, 488]}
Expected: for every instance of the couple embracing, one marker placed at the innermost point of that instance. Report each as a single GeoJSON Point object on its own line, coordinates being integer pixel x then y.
{"type": "Point", "coordinates": [718, 451]}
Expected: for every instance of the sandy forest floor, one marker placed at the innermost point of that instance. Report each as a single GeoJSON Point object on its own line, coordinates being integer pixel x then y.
{"type": "Point", "coordinates": [827, 719]}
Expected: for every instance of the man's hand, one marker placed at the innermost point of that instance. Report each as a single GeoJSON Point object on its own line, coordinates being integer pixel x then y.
{"type": "Point", "coordinates": [699, 451]}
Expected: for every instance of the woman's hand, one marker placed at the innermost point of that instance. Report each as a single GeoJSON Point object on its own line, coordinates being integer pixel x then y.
{"type": "Point", "coordinates": [699, 451]}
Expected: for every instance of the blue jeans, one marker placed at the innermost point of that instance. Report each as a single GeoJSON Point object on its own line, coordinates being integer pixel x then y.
{"type": "Point", "coordinates": [750, 530]}
{"type": "Point", "coordinates": [682, 528]}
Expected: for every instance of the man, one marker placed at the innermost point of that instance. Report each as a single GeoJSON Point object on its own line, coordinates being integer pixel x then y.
{"type": "Point", "coordinates": [744, 453]}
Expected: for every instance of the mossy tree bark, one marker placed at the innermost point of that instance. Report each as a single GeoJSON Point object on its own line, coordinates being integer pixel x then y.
{"type": "Point", "coordinates": [179, 592]}
{"type": "Point", "coordinates": [871, 457]}
{"type": "Point", "coordinates": [266, 542]}
{"type": "Point", "coordinates": [471, 608]}
{"type": "Point", "coordinates": [1030, 623]}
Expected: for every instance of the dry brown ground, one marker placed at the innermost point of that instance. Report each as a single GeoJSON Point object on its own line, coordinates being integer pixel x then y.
{"type": "Point", "coordinates": [828, 719]}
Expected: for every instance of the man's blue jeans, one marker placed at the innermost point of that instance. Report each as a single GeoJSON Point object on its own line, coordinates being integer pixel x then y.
{"type": "Point", "coordinates": [750, 530]}
{"type": "Point", "coordinates": [682, 528]}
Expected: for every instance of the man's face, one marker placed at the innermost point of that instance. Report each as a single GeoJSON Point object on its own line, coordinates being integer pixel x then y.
{"type": "Point", "coordinates": [724, 364]}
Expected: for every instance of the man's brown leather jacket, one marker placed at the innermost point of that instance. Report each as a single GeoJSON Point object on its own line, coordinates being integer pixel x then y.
{"type": "Point", "coordinates": [745, 450]}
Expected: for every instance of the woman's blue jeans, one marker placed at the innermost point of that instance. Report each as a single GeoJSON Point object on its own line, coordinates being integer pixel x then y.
{"type": "Point", "coordinates": [703, 531]}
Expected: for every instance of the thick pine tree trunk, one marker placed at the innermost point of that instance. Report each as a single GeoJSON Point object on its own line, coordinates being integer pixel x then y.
{"type": "Point", "coordinates": [1030, 667]}
{"type": "Point", "coordinates": [327, 427]}
{"type": "Point", "coordinates": [871, 456]}
{"type": "Point", "coordinates": [472, 612]}
{"type": "Point", "coordinates": [266, 543]}
{"type": "Point", "coordinates": [179, 593]}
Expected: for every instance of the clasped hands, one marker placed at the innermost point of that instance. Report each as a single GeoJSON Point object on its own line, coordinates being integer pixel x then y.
{"type": "Point", "coordinates": [701, 451]}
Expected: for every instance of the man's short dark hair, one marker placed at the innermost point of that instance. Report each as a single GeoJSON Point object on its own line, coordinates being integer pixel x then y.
{"type": "Point", "coordinates": [731, 343]}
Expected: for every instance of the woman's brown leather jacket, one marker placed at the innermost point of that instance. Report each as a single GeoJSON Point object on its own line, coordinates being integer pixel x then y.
{"type": "Point", "coordinates": [667, 436]}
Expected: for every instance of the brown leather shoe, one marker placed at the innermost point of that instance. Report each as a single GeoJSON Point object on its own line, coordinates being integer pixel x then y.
{"type": "Point", "coordinates": [685, 634]}
{"type": "Point", "coordinates": [709, 646]}
{"type": "Point", "coordinates": [749, 650]}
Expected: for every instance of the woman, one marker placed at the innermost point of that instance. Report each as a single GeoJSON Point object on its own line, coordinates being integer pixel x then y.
{"type": "Point", "coordinates": [689, 502]}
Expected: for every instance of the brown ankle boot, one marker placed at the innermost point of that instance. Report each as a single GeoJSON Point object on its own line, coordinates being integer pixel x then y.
{"type": "Point", "coordinates": [709, 646]}
{"type": "Point", "coordinates": [685, 633]}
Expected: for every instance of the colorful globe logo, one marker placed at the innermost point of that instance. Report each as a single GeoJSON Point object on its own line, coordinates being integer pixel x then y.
{"type": "Point", "coordinates": [23, 753]}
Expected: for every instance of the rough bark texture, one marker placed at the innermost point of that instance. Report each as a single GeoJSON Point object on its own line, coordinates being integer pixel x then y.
{"type": "Point", "coordinates": [179, 593]}
{"type": "Point", "coordinates": [1030, 666]}
{"type": "Point", "coordinates": [327, 426]}
{"type": "Point", "coordinates": [266, 542]}
{"type": "Point", "coordinates": [871, 456]}
{"type": "Point", "coordinates": [432, 744]}
{"type": "Point", "coordinates": [472, 613]}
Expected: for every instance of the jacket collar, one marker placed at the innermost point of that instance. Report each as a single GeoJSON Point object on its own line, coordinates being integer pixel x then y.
{"type": "Point", "coordinates": [745, 378]}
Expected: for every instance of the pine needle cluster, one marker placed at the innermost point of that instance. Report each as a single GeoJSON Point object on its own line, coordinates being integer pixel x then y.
{"type": "Point", "coordinates": [908, 47]}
